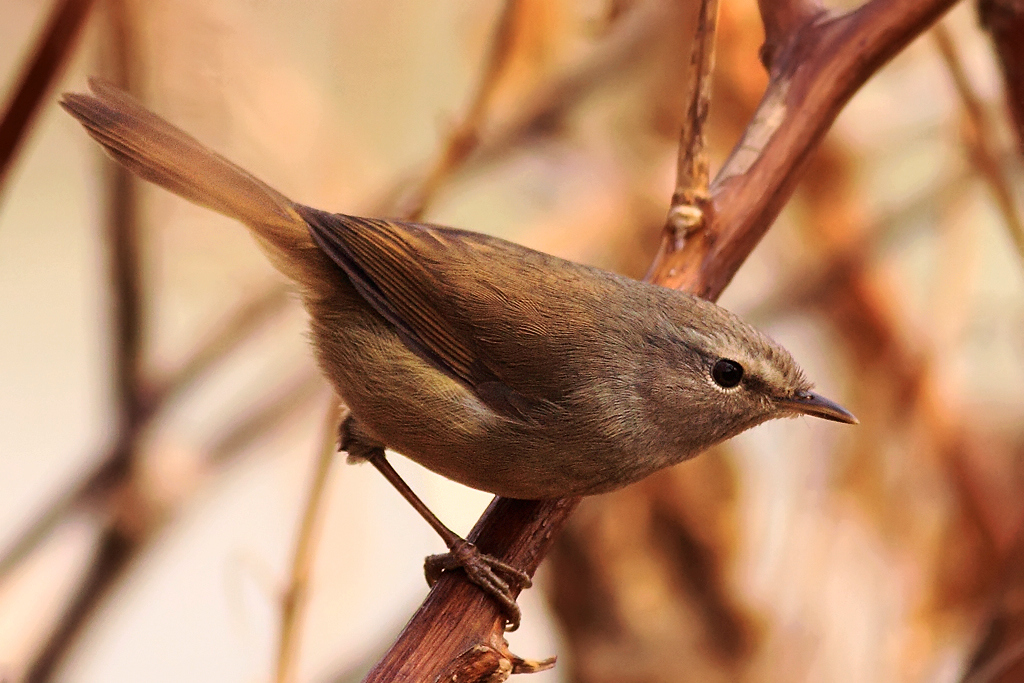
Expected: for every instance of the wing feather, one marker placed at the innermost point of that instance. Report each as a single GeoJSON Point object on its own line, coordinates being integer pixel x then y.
{"type": "Point", "coordinates": [406, 271]}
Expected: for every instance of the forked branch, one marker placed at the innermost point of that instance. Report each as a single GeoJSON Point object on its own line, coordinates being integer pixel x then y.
{"type": "Point", "coordinates": [814, 69]}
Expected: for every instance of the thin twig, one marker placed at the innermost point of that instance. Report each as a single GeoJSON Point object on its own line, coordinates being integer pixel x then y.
{"type": "Point", "coordinates": [265, 415]}
{"type": "Point", "coordinates": [545, 107]}
{"type": "Point", "coordinates": [293, 601]}
{"type": "Point", "coordinates": [686, 213]}
{"type": "Point", "coordinates": [56, 44]}
{"type": "Point", "coordinates": [983, 149]}
{"type": "Point", "coordinates": [692, 174]}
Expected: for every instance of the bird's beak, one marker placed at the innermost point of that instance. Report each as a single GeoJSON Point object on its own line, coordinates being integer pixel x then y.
{"type": "Point", "coordinates": [810, 403]}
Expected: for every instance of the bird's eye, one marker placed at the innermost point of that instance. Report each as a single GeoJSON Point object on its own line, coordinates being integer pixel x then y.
{"type": "Point", "coordinates": [727, 373]}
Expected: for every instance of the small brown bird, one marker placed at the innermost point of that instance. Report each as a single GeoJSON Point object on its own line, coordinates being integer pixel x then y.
{"type": "Point", "coordinates": [494, 365]}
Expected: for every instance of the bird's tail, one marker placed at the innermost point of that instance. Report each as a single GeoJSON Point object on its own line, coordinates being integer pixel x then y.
{"type": "Point", "coordinates": [163, 154]}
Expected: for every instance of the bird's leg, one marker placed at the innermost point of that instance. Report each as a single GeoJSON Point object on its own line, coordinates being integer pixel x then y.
{"type": "Point", "coordinates": [485, 571]}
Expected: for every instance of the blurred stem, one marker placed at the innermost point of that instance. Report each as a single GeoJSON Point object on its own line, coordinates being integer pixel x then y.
{"type": "Point", "coordinates": [982, 147]}
{"type": "Point", "coordinates": [113, 552]}
{"type": "Point", "coordinates": [124, 539]}
{"type": "Point", "coordinates": [465, 137]}
{"type": "Point", "coordinates": [810, 285]}
{"type": "Point", "coordinates": [238, 326]}
{"type": "Point", "coordinates": [1004, 20]}
{"type": "Point", "coordinates": [98, 483]}
{"type": "Point", "coordinates": [56, 44]}
{"type": "Point", "coordinates": [119, 538]}
{"type": "Point", "coordinates": [545, 107]}
{"type": "Point", "coordinates": [265, 415]}
{"type": "Point", "coordinates": [293, 601]}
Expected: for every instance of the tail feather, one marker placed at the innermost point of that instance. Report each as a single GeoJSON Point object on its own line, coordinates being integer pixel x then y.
{"type": "Point", "coordinates": [167, 156]}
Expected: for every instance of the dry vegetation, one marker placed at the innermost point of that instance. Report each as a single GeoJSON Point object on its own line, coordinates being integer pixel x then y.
{"type": "Point", "coordinates": [894, 551]}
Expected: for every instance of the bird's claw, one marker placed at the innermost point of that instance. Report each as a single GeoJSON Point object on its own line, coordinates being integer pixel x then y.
{"type": "Point", "coordinates": [486, 572]}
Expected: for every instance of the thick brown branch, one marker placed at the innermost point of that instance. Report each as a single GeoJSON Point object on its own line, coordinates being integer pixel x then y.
{"type": "Point", "coordinates": [782, 20]}
{"type": "Point", "coordinates": [457, 616]}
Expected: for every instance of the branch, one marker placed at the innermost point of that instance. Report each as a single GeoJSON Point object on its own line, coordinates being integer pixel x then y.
{"type": "Point", "coordinates": [686, 214]}
{"type": "Point", "coordinates": [692, 175]}
{"type": "Point", "coordinates": [117, 541]}
{"type": "Point", "coordinates": [814, 71]}
{"type": "Point", "coordinates": [134, 522]}
{"type": "Point", "coordinates": [980, 140]}
{"type": "Point", "coordinates": [457, 618]}
{"type": "Point", "coordinates": [114, 551]}
{"type": "Point", "coordinates": [546, 106]}
{"type": "Point", "coordinates": [293, 601]}
{"type": "Point", "coordinates": [819, 66]}
{"type": "Point", "coordinates": [1004, 20]}
{"type": "Point", "coordinates": [56, 43]}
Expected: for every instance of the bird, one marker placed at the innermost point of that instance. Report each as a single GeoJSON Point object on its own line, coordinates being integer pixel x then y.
{"type": "Point", "coordinates": [497, 366]}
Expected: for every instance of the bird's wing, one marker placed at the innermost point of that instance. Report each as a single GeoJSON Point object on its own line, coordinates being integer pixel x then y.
{"type": "Point", "coordinates": [457, 300]}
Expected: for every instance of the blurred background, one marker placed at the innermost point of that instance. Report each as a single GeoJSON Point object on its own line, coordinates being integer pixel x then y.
{"type": "Point", "coordinates": [161, 423]}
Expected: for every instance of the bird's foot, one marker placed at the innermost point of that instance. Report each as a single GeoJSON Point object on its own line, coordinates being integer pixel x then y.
{"type": "Point", "coordinates": [486, 572]}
